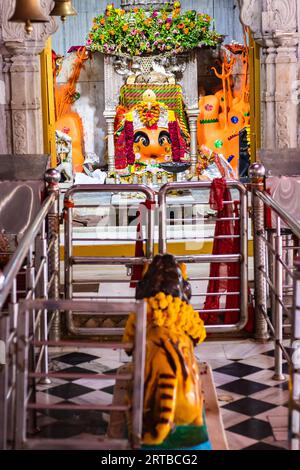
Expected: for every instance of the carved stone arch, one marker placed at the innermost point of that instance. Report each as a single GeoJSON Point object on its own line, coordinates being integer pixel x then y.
{"type": "Point", "coordinates": [282, 15]}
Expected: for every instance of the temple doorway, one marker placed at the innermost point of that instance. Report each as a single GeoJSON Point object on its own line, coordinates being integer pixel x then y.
{"type": "Point", "coordinates": [225, 80]}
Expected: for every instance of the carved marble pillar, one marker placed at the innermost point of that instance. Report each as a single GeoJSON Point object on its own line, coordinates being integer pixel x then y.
{"type": "Point", "coordinates": [275, 25]}
{"type": "Point", "coordinates": [109, 116]}
{"type": "Point", "coordinates": [3, 140]}
{"type": "Point", "coordinates": [25, 103]}
{"type": "Point", "coordinates": [268, 94]}
{"type": "Point", "coordinates": [189, 83]}
{"type": "Point", "coordinates": [192, 117]}
{"type": "Point", "coordinates": [112, 85]}
{"type": "Point", "coordinates": [21, 59]}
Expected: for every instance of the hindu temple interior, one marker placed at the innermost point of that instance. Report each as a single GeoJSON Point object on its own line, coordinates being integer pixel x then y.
{"type": "Point", "coordinates": [149, 225]}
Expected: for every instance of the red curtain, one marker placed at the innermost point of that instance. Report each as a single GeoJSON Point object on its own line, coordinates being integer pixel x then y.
{"type": "Point", "coordinates": [220, 198]}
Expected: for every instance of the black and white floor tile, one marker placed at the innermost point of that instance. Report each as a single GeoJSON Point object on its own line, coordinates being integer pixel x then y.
{"type": "Point", "coordinates": [254, 406]}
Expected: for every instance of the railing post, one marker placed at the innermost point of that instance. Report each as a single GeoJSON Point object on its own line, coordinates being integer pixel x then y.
{"type": "Point", "coordinates": [68, 263]}
{"type": "Point", "coordinates": [192, 118]}
{"type": "Point", "coordinates": [278, 375]}
{"type": "Point", "coordinates": [22, 381]}
{"type": "Point", "coordinates": [257, 175]}
{"type": "Point", "coordinates": [294, 414]}
{"type": "Point", "coordinates": [4, 334]}
{"type": "Point", "coordinates": [44, 317]}
{"type": "Point", "coordinates": [52, 178]}
{"type": "Point", "coordinates": [139, 358]}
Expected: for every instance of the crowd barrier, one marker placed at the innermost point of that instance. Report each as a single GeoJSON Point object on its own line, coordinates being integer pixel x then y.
{"type": "Point", "coordinates": [156, 218]}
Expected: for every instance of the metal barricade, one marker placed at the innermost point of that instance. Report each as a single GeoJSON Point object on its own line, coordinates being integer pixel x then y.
{"type": "Point", "coordinates": [191, 219]}
{"type": "Point", "coordinates": [271, 268]}
{"type": "Point", "coordinates": [33, 271]}
{"type": "Point", "coordinates": [27, 404]}
{"type": "Point", "coordinates": [118, 207]}
{"type": "Point", "coordinates": [276, 267]}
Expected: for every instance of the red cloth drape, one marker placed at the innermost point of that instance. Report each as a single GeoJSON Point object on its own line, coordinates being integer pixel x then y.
{"type": "Point", "coordinates": [219, 196]}
{"type": "Point", "coordinates": [268, 214]}
{"type": "Point", "coordinates": [137, 270]}
{"type": "Point", "coordinates": [178, 143]}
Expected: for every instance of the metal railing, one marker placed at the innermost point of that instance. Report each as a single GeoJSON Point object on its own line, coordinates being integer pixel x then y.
{"type": "Point", "coordinates": [116, 211]}
{"type": "Point", "coordinates": [27, 403]}
{"type": "Point", "coordinates": [241, 257]}
{"type": "Point", "coordinates": [270, 266]}
{"type": "Point", "coordinates": [276, 247]}
{"type": "Point", "coordinates": [33, 271]}
{"type": "Point", "coordinates": [276, 251]}
{"type": "Point", "coordinates": [156, 218]}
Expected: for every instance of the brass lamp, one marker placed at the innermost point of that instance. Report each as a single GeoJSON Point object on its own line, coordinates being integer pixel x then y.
{"type": "Point", "coordinates": [28, 11]}
{"type": "Point", "coordinates": [63, 8]}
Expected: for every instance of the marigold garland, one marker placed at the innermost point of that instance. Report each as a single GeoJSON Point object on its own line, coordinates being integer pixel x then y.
{"type": "Point", "coordinates": [149, 117]}
{"type": "Point", "coordinates": [172, 313]}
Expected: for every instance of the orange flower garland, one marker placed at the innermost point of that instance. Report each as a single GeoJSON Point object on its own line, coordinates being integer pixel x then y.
{"type": "Point", "coordinates": [149, 117]}
{"type": "Point", "coordinates": [172, 313]}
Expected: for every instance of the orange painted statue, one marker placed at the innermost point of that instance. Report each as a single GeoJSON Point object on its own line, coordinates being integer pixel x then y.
{"type": "Point", "coordinates": [172, 394]}
{"type": "Point", "coordinates": [222, 140]}
{"type": "Point", "coordinates": [223, 115]}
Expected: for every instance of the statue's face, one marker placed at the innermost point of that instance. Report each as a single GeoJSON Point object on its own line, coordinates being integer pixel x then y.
{"type": "Point", "coordinates": [152, 145]}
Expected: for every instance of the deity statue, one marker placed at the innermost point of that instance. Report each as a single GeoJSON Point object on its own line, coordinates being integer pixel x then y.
{"type": "Point", "coordinates": [149, 133]}
{"type": "Point", "coordinates": [173, 400]}
{"type": "Point", "coordinates": [223, 115]}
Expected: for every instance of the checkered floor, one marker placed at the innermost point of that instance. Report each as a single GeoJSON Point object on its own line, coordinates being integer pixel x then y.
{"type": "Point", "coordinates": [254, 406]}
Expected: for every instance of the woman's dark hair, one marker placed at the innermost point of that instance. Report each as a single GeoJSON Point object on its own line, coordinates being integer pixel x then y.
{"type": "Point", "coordinates": [164, 275]}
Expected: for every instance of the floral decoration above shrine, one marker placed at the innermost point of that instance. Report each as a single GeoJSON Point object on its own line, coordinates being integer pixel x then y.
{"type": "Point", "coordinates": [139, 33]}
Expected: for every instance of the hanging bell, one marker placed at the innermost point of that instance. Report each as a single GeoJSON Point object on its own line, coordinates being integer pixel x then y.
{"type": "Point", "coordinates": [63, 8]}
{"type": "Point", "coordinates": [28, 11]}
